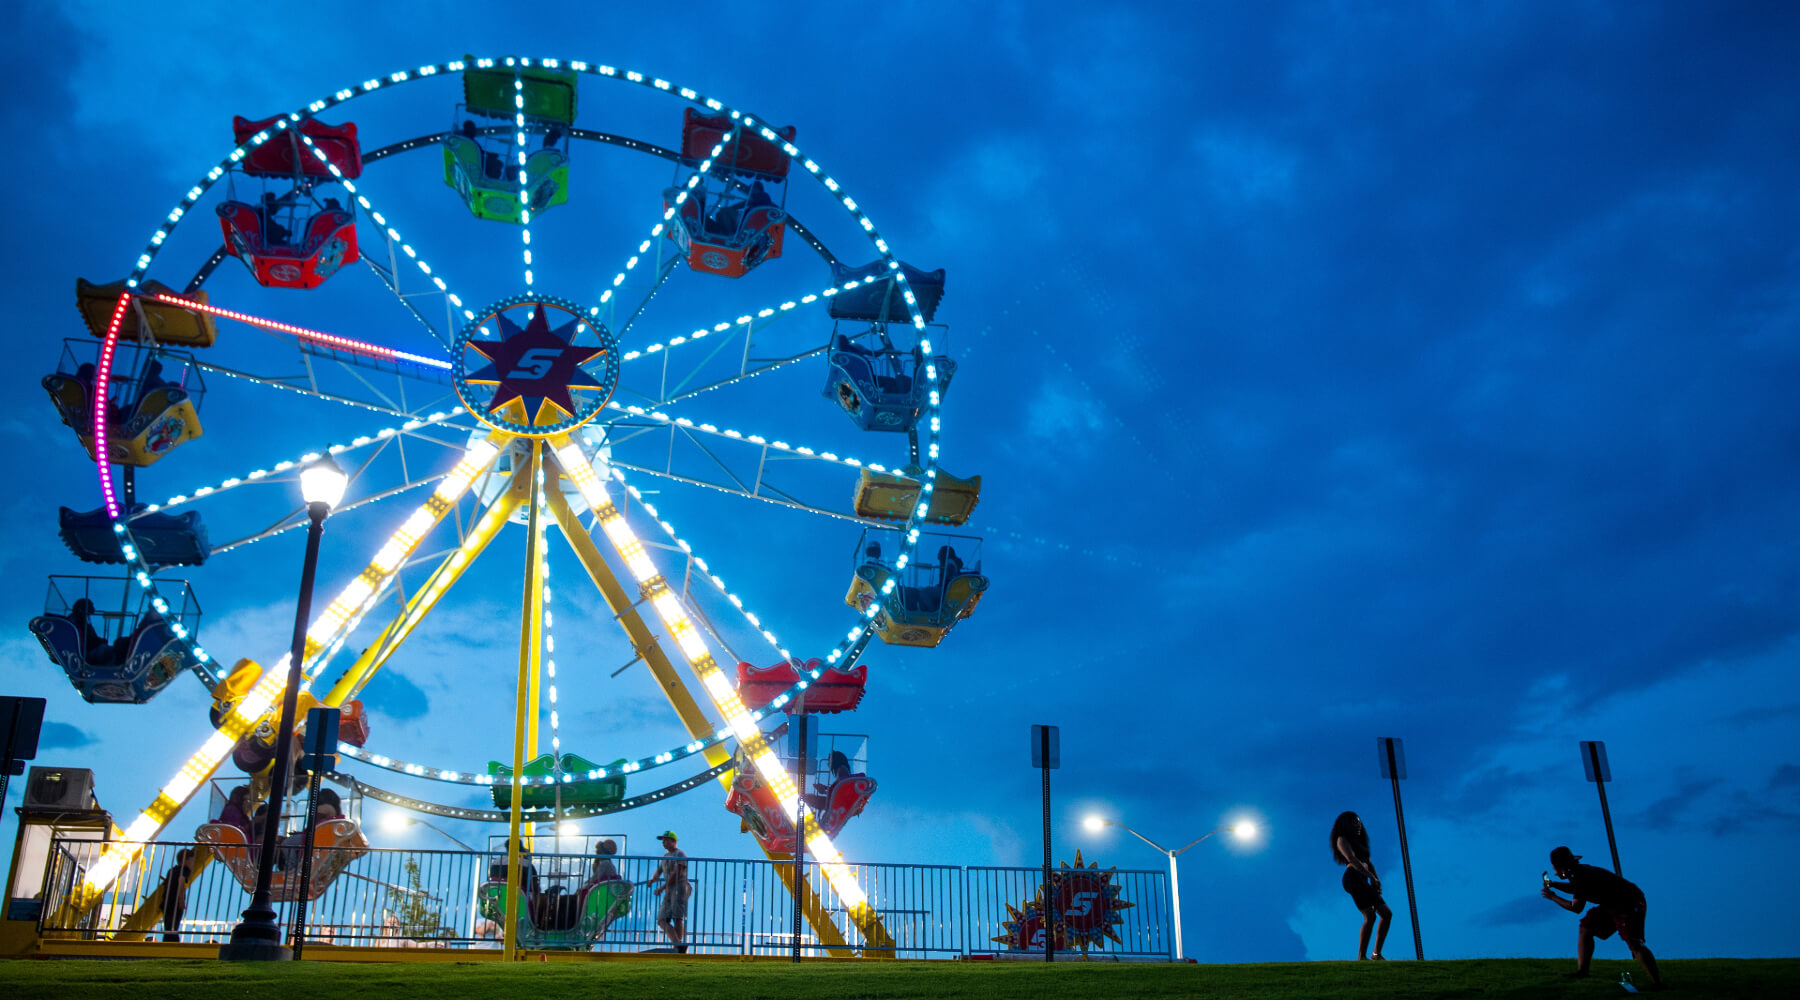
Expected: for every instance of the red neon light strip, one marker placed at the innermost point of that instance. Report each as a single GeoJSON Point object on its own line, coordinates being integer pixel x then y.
{"type": "Point", "coordinates": [303, 333]}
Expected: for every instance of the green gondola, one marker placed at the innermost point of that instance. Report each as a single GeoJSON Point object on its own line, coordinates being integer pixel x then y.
{"type": "Point", "coordinates": [549, 93]}
{"type": "Point", "coordinates": [605, 791]}
{"type": "Point", "coordinates": [560, 920]}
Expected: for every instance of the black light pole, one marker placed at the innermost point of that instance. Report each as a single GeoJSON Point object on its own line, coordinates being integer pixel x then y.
{"type": "Point", "coordinates": [258, 936]}
{"type": "Point", "coordinates": [1046, 753]}
{"type": "Point", "coordinates": [802, 765]}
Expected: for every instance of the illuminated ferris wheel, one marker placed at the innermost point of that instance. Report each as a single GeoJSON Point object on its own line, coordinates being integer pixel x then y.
{"type": "Point", "coordinates": [585, 331]}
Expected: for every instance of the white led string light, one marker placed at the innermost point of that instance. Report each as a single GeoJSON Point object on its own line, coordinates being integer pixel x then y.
{"type": "Point", "coordinates": [755, 439]}
{"type": "Point", "coordinates": [524, 176]}
{"type": "Point", "coordinates": [381, 220]}
{"type": "Point", "coordinates": [286, 466]}
{"type": "Point", "coordinates": [747, 319]}
{"type": "Point", "coordinates": [542, 541]}
{"type": "Point", "coordinates": [669, 213]}
{"type": "Point", "coordinates": [153, 818]}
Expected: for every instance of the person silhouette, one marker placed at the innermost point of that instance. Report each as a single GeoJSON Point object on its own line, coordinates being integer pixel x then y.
{"type": "Point", "coordinates": [1619, 905]}
{"type": "Point", "coordinates": [1350, 848]}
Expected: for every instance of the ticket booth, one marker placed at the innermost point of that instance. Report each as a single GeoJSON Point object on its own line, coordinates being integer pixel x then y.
{"type": "Point", "coordinates": [59, 809]}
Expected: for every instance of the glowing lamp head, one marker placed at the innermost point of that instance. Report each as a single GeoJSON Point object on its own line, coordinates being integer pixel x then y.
{"type": "Point", "coordinates": [570, 828]}
{"type": "Point", "coordinates": [393, 821]}
{"type": "Point", "coordinates": [1094, 824]}
{"type": "Point", "coordinates": [1244, 830]}
{"type": "Point", "coordinates": [322, 481]}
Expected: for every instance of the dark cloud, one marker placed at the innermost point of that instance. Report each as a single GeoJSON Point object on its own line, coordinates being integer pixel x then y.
{"type": "Point", "coordinates": [62, 736]}
{"type": "Point", "coordinates": [392, 695]}
{"type": "Point", "coordinates": [1524, 911]}
{"type": "Point", "coordinates": [1761, 713]}
{"type": "Point", "coordinates": [1785, 776]}
{"type": "Point", "coordinates": [1678, 808]}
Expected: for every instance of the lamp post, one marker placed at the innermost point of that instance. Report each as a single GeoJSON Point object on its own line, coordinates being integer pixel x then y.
{"type": "Point", "coordinates": [258, 937]}
{"type": "Point", "coordinates": [1243, 830]}
{"type": "Point", "coordinates": [397, 821]}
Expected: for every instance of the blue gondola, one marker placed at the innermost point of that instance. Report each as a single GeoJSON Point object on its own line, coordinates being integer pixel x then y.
{"type": "Point", "coordinates": [161, 538]}
{"type": "Point", "coordinates": [881, 388]}
{"type": "Point", "coordinates": [124, 656]}
{"type": "Point", "coordinates": [879, 300]}
{"type": "Point", "coordinates": [921, 602]}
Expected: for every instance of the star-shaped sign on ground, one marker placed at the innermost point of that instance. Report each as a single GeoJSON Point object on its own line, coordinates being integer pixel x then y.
{"type": "Point", "coordinates": [534, 364]}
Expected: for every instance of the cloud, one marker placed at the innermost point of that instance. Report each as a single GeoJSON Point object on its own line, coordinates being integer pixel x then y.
{"type": "Point", "coordinates": [1520, 912]}
{"type": "Point", "coordinates": [1670, 810]}
{"type": "Point", "coordinates": [62, 736]}
{"type": "Point", "coordinates": [392, 695]}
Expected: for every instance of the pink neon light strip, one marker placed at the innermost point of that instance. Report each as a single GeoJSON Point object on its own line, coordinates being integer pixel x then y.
{"type": "Point", "coordinates": [103, 375]}
{"type": "Point", "coordinates": [329, 339]}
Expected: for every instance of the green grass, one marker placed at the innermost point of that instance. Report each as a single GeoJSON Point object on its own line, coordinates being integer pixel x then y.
{"type": "Point", "coordinates": [643, 979]}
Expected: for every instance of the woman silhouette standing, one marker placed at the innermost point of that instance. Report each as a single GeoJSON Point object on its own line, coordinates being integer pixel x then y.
{"type": "Point", "coordinates": [1350, 848]}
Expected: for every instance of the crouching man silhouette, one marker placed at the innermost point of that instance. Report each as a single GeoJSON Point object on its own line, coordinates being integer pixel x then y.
{"type": "Point", "coordinates": [1619, 906]}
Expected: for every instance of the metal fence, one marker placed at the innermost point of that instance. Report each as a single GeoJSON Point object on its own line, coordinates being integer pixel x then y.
{"type": "Point", "coordinates": [428, 899]}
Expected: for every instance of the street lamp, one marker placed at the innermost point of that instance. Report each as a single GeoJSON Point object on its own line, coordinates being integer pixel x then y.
{"type": "Point", "coordinates": [258, 937]}
{"type": "Point", "coordinates": [394, 821]}
{"type": "Point", "coordinates": [1243, 830]}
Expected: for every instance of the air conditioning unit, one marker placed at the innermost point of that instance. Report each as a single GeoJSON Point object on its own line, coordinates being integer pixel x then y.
{"type": "Point", "coordinates": [66, 788]}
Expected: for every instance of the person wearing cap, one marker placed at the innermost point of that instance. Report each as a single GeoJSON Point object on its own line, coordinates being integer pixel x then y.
{"type": "Point", "coordinates": [671, 871]}
{"type": "Point", "coordinates": [1619, 905]}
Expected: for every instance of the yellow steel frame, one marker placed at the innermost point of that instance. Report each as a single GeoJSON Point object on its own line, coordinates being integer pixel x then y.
{"type": "Point", "coordinates": [551, 460]}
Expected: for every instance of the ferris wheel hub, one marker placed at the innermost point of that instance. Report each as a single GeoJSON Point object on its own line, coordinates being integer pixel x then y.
{"type": "Point", "coordinates": [535, 366]}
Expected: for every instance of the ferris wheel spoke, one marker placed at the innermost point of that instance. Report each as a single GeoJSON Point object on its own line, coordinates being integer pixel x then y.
{"type": "Point", "coordinates": [298, 519]}
{"type": "Point", "coordinates": [390, 231]}
{"type": "Point", "coordinates": [748, 320]}
{"type": "Point", "coordinates": [766, 496]}
{"type": "Point", "coordinates": [769, 447]}
{"type": "Point", "coordinates": [276, 472]}
{"type": "Point", "coordinates": [668, 218]}
{"type": "Point", "coordinates": [390, 276]}
{"type": "Point", "coordinates": [286, 383]}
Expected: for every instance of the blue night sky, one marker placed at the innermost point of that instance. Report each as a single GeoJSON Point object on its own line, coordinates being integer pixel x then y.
{"type": "Point", "coordinates": [1333, 371]}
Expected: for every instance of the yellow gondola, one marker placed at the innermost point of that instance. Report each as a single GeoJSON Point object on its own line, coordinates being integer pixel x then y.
{"type": "Point", "coordinates": [891, 497]}
{"type": "Point", "coordinates": [168, 324]}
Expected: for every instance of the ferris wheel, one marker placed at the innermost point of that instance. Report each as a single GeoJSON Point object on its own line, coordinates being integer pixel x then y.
{"type": "Point", "coordinates": [507, 314]}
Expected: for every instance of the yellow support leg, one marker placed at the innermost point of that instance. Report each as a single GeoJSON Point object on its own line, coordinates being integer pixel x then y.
{"type": "Point", "coordinates": [524, 721]}
{"type": "Point", "coordinates": [358, 675]}
{"type": "Point", "coordinates": [265, 698]}
{"type": "Point", "coordinates": [692, 716]}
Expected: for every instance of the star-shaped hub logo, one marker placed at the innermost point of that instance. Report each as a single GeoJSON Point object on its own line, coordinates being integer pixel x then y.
{"type": "Point", "coordinates": [535, 366]}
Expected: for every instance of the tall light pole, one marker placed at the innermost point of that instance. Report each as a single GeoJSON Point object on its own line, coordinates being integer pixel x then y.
{"type": "Point", "coordinates": [1242, 830]}
{"type": "Point", "coordinates": [395, 821]}
{"type": "Point", "coordinates": [258, 937]}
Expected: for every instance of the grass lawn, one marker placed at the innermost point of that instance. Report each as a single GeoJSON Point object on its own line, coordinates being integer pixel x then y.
{"type": "Point", "coordinates": [675, 979]}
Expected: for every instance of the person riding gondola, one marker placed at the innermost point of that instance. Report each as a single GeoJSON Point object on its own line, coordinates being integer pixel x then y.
{"type": "Point", "coordinates": [274, 233]}
{"type": "Point", "coordinates": [838, 767]}
{"type": "Point", "coordinates": [94, 647]}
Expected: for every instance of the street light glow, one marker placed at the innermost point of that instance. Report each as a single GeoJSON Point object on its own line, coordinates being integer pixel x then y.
{"type": "Point", "coordinates": [1094, 824]}
{"type": "Point", "coordinates": [393, 821]}
{"type": "Point", "coordinates": [1244, 830]}
{"type": "Point", "coordinates": [322, 481]}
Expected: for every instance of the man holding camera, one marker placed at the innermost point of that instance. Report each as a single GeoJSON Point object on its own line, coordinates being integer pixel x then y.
{"type": "Point", "coordinates": [1619, 906]}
